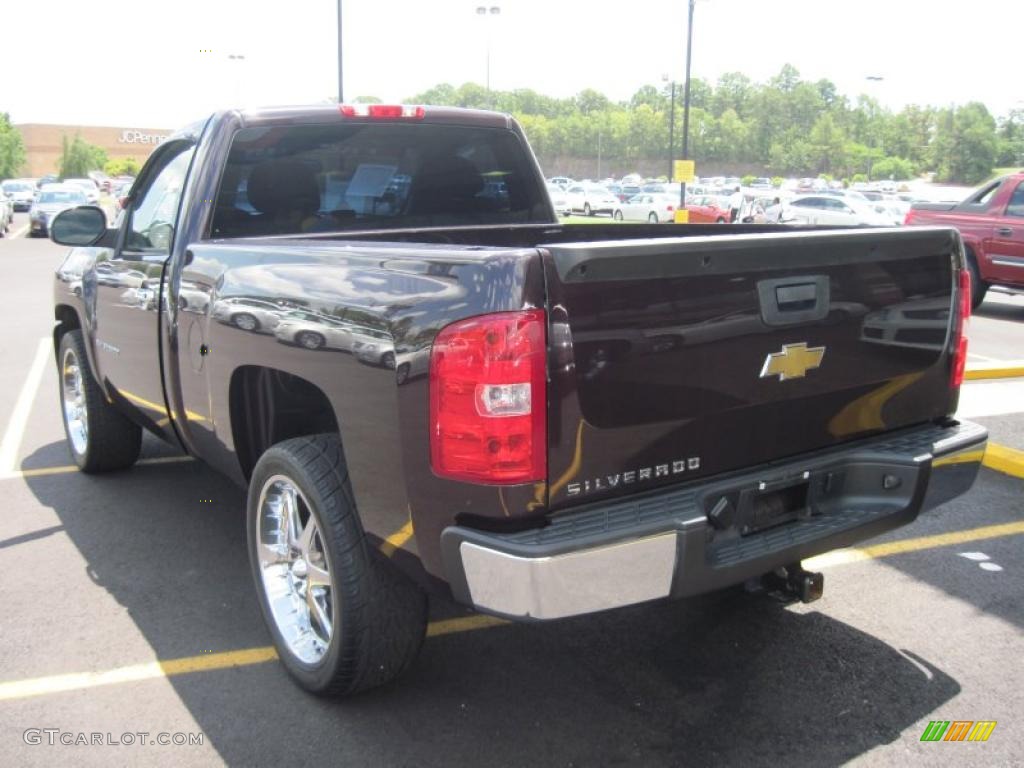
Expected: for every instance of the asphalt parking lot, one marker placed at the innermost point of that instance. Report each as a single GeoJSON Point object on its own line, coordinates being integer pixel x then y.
{"type": "Point", "coordinates": [128, 608]}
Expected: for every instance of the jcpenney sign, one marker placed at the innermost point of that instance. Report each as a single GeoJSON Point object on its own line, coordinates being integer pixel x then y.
{"type": "Point", "coordinates": [138, 137]}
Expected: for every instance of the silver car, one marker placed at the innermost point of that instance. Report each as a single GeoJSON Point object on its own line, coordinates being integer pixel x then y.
{"type": "Point", "coordinates": [373, 347]}
{"type": "Point", "coordinates": [314, 330]}
{"type": "Point", "coordinates": [53, 198]}
{"type": "Point", "coordinates": [255, 315]}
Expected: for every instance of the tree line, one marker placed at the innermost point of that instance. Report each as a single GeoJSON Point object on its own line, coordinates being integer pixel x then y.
{"type": "Point", "coordinates": [785, 126]}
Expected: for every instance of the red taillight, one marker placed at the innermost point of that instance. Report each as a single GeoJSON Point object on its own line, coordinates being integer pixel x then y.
{"type": "Point", "coordinates": [908, 217]}
{"type": "Point", "coordinates": [960, 329]}
{"type": "Point", "coordinates": [670, 208]}
{"type": "Point", "coordinates": [383, 111]}
{"type": "Point", "coordinates": [488, 399]}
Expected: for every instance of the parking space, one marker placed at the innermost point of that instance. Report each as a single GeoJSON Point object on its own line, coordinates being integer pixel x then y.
{"type": "Point", "coordinates": [129, 608]}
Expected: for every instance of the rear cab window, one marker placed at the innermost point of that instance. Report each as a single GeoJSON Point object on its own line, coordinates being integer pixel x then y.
{"type": "Point", "coordinates": [292, 180]}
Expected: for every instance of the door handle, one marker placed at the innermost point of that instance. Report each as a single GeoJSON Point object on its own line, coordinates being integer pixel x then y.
{"type": "Point", "coordinates": [1004, 231]}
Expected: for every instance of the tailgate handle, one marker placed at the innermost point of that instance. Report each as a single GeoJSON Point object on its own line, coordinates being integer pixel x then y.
{"type": "Point", "coordinates": [791, 300]}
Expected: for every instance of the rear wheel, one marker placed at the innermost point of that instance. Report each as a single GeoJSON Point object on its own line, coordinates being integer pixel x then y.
{"type": "Point", "coordinates": [245, 321]}
{"type": "Point", "coordinates": [342, 617]}
{"type": "Point", "coordinates": [587, 210]}
{"type": "Point", "coordinates": [617, 215]}
{"type": "Point", "coordinates": [100, 437]}
{"type": "Point", "coordinates": [720, 220]}
{"type": "Point", "coordinates": [978, 286]}
{"type": "Point", "coordinates": [652, 218]}
{"type": "Point", "coordinates": [310, 340]}
{"type": "Point", "coordinates": [388, 360]}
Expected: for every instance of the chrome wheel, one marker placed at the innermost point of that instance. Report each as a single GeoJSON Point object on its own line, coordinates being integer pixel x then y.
{"type": "Point", "coordinates": [246, 322]}
{"type": "Point", "coordinates": [295, 571]}
{"type": "Point", "coordinates": [76, 417]}
{"type": "Point", "coordinates": [311, 340]}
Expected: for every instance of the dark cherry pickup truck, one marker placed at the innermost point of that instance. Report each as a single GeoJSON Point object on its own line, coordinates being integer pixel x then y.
{"type": "Point", "coordinates": [371, 317]}
{"type": "Point", "coordinates": [991, 224]}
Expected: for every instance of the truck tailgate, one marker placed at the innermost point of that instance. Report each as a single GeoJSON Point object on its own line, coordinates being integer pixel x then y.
{"type": "Point", "coordinates": [677, 358]}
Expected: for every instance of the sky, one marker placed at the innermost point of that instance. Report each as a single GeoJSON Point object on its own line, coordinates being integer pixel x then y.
{"type": "Point", "coordinates": [147, 64]}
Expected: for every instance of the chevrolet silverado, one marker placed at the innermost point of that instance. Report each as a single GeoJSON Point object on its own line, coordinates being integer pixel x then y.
{"type": "Point", "coordinates": [371, 317]}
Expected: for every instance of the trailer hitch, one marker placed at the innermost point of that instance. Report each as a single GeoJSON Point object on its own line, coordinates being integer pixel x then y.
{"type": "Point", "coordinates": [791, 582]}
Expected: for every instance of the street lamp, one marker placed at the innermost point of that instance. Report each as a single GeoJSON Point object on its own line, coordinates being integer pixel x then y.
{"type": "Point", "coordinates": [238, 77]}
{"type": "Point", "coordinates": [686, 102]}
{"type": "Point", "coordinates": [484, 11]}
{"type": "Point", "coordinates": [671, 128]}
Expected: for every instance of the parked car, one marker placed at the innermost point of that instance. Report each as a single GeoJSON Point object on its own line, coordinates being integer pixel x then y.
{"type": "Point", "coordinates": [591, 199]}
{"type": "Point", "coordinates": [542, 468]}
{"type": "Point", "coordinates": [833, 211]}
{"type": "Point", "coordinates": [373, 346]}
{"type": "Point", "coordinates": [51, 200]}
{"type": "Point", "coordinates": [21, 192]}
{"type": "Point", "coordinates": [707, 209]}
{"type": "Point", "coordinates": [559, 200]}
{"type": "Point", "coordinates": [314, 330]}
{"type": "Point", "coordinates": [762, 182]}
{"type": "Point", "coordinates": [88, 187]}
{"type": "Point", "coordinates": [561, 181]}
{"type": "Point", "coordinates": [991, 223]}
{"type": "Point", "coordinates": [249, 314]}
{"type": "Point", "coordinates": [653, 208]}
{"type": "Point", "coordinates": [6, 213]}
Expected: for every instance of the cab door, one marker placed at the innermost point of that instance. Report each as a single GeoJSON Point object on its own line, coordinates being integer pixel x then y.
{"type": "Point", "coordinates": [130, 288]}
{"type": "Point", "coordinates": [1005, 249]}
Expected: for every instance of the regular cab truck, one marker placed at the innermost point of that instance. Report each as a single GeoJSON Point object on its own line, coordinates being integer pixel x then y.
{"type": "Point", "coordinates": [371, 317]}
{"type": "Point", "coordinates": [991, 224]}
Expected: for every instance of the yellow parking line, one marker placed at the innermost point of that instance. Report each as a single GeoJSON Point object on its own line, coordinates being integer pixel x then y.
{"type": "Point", "coordinates": [997, 370]}
{"type": "Point", "coordinates": [41, 686]}
{"type": "Point", "coordinates": [21, 689]}
{"type": "Point", "coordinates": [396, 539]}
{"type": "Point", "coordinates": [1005, 460]}
{"type": "Point", "coordinates": [43, 471]}
{"type": "Point", "coordinates": [902, 546]}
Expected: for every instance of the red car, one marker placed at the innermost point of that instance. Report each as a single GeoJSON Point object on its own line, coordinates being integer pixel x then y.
{"type": "Point", "coordinates": [991, 223]}
{"type": "Point", "coordinates": [705, 209]}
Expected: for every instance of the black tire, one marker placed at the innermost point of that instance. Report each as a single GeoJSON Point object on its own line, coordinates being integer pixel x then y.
{"type": "Point", "coordinates": [617, 215]}
{"type": "Point", "coordinates": [111, 440]}
{"type": "Point", "coordinates": [402, 373]}
{"type": "Point", "coordinates": [652, 218]}
{"type": "Point", "coordinates": [720, 220]}
{"type": "Point", "coordinates": [380, 620]}
{"type": "Point", "coordinates": [587, 210]}
{"type": "Point", "coordinates": [388, 360]}
{"type": "Point", "coordinates": [978, 286]}
{"type": "Point", "coordinates": [245, 321]}
{"type": "Point", "coordinates": [310, 340]}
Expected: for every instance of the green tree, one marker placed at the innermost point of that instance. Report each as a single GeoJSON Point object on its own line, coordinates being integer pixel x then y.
{"type": "Point", "coordinates": [12, 149]}
{"type": "Point", "coordinates": [78, 157]}
{"type": "Point", "coordinates": [897, 168]}
{"type": "Point", "coordinates": [122, 166]}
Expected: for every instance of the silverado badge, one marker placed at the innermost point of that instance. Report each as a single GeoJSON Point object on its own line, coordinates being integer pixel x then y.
{"type": "Point", "coordinates": [793, 362]}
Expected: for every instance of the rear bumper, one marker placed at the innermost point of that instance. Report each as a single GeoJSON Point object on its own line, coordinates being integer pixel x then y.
{"type": "Point", "coordinates": [618, 553]}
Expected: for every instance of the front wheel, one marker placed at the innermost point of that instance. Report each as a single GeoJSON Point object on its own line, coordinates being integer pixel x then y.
{"type": "Point", "coordinates": [587, 210]}
{"type": "Point", "coordinates": [100, 437]}
{"type": "Point", "coordinates": [245, 321]}
{"type": "Point", "coordinates": [388, 360]}
{"type": "Point", "coordinates": [310, 340]}
{"type": "Point", "coordinates": [720, 220]}
{"type": "Point", "coordinates": [617, 215]}
{"type": "Point", "coordinates": [342, 617]}
{"type": "Point", "coordinates": [978, 286]}
{"type": "Point", "coordinates": [653, 218]}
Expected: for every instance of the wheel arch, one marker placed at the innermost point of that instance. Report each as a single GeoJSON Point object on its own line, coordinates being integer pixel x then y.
{"type": "Point", "coordinates": [268, 405]}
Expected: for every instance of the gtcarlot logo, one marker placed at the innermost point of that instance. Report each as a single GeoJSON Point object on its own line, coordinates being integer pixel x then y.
{"type": "Point", "coordinates": [55, 736]}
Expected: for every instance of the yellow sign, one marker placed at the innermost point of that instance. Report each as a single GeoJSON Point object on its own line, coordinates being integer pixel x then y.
{"type": "Point", "coordinates": [683, 170]}
{"type": "Point", "coordinates": [682, 216]}
{"type": "Point", "coordinates": [793, 362]}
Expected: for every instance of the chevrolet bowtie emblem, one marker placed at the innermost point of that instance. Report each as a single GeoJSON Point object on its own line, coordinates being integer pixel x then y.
{"type": "Point", "coordinates": [793, 362]}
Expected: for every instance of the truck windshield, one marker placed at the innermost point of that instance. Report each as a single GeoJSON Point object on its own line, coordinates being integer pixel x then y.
{"type": "Point", "coordinates": [328, 178]}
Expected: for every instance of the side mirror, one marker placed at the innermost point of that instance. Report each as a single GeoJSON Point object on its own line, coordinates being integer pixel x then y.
{"type": "Point", "coordinates": [80, 226]}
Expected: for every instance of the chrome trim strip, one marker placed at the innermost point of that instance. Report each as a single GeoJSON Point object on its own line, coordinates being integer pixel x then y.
{"type": "Point", "coordinates": [590, 580]}
{"type": "Point", "coordinates": [1005, 262]}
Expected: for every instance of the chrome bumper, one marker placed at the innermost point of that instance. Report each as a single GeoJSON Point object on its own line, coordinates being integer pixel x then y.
{"type": "Point", "coordinates": [600, 557]}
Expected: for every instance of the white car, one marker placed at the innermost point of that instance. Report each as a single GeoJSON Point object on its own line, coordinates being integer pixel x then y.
{"type": "Point", "coordinates": [828, 210]}
{"type": "Point", "coordinates": [591, 199]}
{"type": "Point", "coordinates": [21, 192]}
{"type": "Point", "coordinates": [88, 187]}
{"type": "Point", "coordinates": [249, 314]}
{"type": "Point", "coordinates": [313, 330]}
{"type": "Point", "coordinates": [559, 200]}
{"type": "Point", "coordinates": [650, 207]}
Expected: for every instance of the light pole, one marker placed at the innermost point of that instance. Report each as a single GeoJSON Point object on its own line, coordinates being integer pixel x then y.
{"type": "Point", "coordinates": [671, 128]}
{"type": "Point", "coordinates": [484, 12]}
{"type": "Point", "coordinates": [341, 82]}
{"type": "Point", "coordinates": [239, 57]}
{"type": "Point", "coordinates": [686, 102]}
